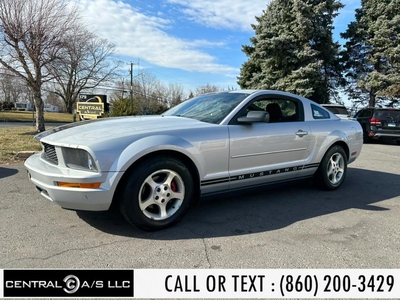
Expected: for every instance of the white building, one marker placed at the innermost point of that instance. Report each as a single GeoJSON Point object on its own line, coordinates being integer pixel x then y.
{"type": "Point", "coordinates": [51, 108]}
{"type": "Point", "coordinates": [23, 105]}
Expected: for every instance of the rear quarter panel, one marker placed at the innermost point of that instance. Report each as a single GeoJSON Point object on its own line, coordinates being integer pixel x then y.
{"type": "Point", "coordinates": [330, 132]}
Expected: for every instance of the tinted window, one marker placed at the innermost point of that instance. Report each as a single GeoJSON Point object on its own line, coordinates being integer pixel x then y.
{"type": "Point", "coordinates": [393, 115]}
{"type": "Point", "coordinates": [363, 114]}
{"type": "Point", "coordinates": [338, 110]}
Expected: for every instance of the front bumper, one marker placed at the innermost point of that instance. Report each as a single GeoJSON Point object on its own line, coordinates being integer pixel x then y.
{"type": "Point", "coordinates": [45, 177]}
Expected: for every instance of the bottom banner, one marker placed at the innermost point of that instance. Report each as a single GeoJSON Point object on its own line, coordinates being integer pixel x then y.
{"type": "Point", "coordinates": [203, 283]}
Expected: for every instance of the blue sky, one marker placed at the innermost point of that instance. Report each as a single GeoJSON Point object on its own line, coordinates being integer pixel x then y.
{"type": "Point", "coordinates": [184, 42]}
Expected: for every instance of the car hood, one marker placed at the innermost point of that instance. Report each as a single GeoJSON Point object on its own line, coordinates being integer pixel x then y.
{"type": "Point", "coordinates": [106, 130]}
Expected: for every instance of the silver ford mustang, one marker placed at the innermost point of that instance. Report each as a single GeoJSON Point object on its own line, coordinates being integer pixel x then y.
{"type": "Point", "coordinates": [155, 167]}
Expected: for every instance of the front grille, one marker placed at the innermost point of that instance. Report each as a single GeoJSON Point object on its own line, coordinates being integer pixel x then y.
{"type": "Point", "coordinates": [50, 153]}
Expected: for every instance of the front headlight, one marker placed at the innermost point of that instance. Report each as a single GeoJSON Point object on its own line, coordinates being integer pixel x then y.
{"type": "Point", "coordinates": [79, 159]}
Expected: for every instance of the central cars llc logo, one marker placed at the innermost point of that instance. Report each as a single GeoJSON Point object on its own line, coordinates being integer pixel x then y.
{"type": "Point", "coordinates": [57, 283]}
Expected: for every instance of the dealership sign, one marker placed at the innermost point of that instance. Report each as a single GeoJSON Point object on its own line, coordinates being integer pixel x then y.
{"type": "Point", "coordinates": [90, 108]}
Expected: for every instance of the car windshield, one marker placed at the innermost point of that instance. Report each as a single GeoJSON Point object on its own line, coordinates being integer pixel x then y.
{"type": "Point", "coordinates": [210, 108]}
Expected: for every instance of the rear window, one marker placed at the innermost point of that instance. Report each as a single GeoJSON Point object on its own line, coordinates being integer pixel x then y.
{"type": "Point", "coordinates": [393, 115]}
{"type": "Point", "coordinates": [337, 110]}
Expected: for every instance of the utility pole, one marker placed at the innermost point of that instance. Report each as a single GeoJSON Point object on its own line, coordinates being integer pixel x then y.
{"type": "Point", "coordinates": [123, 88]}
{"type": "Point", "coordinates": [131, 89]}
{"type": "Point", "coordinates": [131, 98]}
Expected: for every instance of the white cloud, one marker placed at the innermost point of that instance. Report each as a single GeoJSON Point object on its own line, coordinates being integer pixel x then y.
{"type": "Point", "coordinates": [140, 36]}
{"type": "Point", "coordinates": [207, 44]}
{"type": "Point", "coordinates": [223, 13]}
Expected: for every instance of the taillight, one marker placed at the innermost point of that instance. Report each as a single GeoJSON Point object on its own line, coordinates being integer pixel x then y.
{"type": "Point", "coordinates": [374, 121]}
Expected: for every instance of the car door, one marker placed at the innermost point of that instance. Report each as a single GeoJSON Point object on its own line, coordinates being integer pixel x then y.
{"type": "Point", "coordinates": [266, 152]}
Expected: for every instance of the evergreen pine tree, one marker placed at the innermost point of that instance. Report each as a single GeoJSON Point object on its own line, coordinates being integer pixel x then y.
{"type": "Point", "coordinates": [293, 49]}
{"type": "Point", "coordinates": [372, 52]}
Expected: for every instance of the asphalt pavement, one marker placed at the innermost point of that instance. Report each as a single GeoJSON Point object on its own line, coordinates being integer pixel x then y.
{"type": "Point", "coordinates": [293, 226]}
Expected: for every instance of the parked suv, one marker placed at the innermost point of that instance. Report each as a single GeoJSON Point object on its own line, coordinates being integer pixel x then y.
{"type": "Point", "coordinates": [380, 123]}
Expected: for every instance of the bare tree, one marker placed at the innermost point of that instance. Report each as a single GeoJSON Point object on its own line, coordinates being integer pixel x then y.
{"type": "Point", "coordinates": [120, 91]}
{"type": "Point", "coordinates": [32, 33]}
{"type": "Point", "coordinates": [149, 93]}
{"type": "Point", "coordinates": [83, 65]}
{"type": "Point", "coordinates": [11, 87]}
{"type": "Point", "coordinates": [6, 87]}
{"type": "Point", "coordinates": [174, 94]}
{"type": "Point", "coordinates": [206, 88]}
{"type": "Point", "coordinates": [53, 99]}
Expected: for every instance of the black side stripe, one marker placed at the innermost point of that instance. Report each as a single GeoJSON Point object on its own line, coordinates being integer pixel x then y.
{"type": "Point", "coordinates": [214, 181]}
{"type": "Point", "coordinates": [257, 174]}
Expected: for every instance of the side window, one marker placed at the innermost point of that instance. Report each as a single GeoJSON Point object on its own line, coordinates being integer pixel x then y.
{"type": "Point", "coordinates": [289, 110]}
{"type": "Point", "coordinates": [364, 114]}
{"type": "Point", "coordinates": [319, 113]}
{"type": "Point", "coordinates": [279, 110]}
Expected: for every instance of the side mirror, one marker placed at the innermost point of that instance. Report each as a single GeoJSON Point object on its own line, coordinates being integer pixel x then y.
{"type": "Point", "coordinates": [255, 117]}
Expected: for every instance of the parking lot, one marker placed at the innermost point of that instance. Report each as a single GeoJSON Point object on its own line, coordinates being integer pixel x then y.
{"type": "Point", "coordinates": [291, 226]}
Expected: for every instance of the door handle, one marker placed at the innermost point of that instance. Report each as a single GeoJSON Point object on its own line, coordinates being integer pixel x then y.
{"type": "Point", "coordinates": [301, 133]}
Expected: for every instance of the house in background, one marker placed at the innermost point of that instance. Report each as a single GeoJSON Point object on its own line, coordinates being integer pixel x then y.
{"type": "Point", "coordinates": [29, 107]}
{"type": "Point", "coordinates": [24, 106]}
{"type": "Point", "coordinates": [51, 108]}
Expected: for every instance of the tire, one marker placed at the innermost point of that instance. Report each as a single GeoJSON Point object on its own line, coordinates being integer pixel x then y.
{"type": "Point", "coordinates": [332, 170]}
{"type": "Point", "coordinates": [157, 193]}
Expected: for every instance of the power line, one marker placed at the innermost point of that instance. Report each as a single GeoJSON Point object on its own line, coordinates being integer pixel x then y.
{"type": "Point", "coordinates": [175, 79]}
